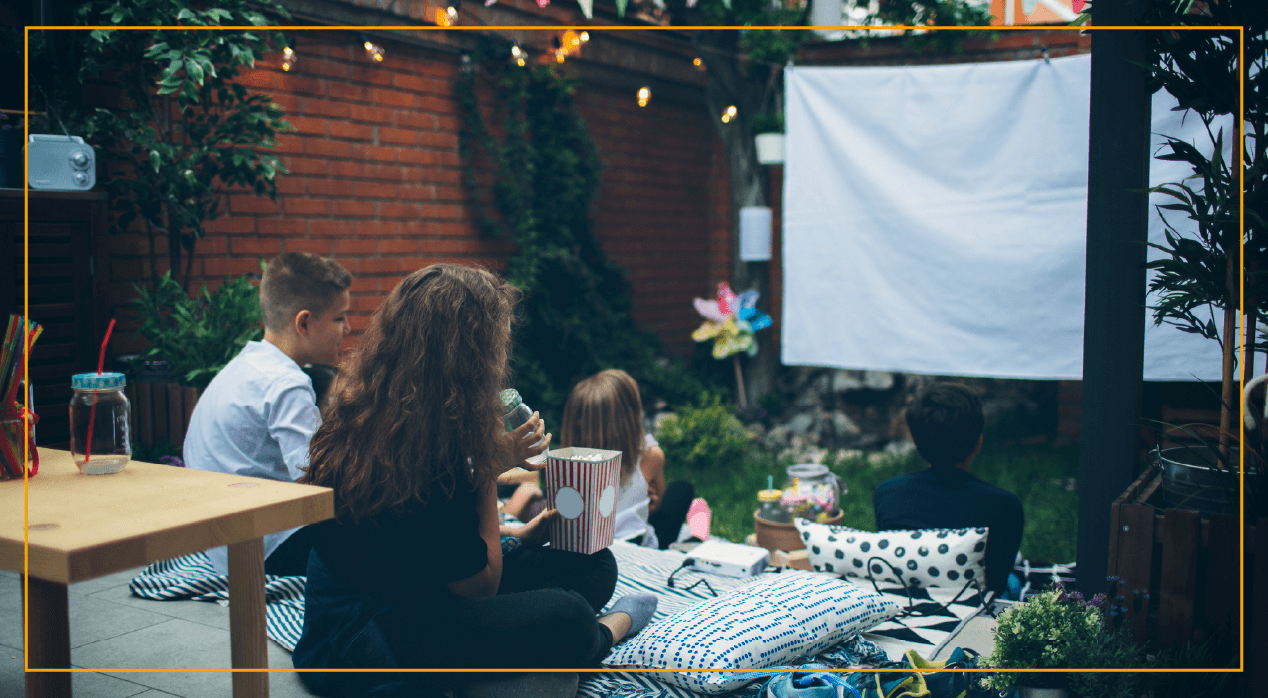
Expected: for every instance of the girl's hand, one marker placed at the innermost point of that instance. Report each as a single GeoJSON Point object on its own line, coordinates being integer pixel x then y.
{"type": "Point", "coordinates": [523, 440]}
{"type": "Point", "coordinates": [534, 532]}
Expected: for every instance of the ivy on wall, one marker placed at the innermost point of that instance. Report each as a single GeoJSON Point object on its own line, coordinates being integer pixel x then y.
{"type": "Point", "coordinates": [576, 315]}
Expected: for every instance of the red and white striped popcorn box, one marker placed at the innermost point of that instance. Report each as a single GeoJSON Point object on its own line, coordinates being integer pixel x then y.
{"type": "Point", "coordinates": [582, 484]}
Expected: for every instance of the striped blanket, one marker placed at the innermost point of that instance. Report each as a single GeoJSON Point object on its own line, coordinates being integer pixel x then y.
{"type": "Point", "coordinates": [642, 570]}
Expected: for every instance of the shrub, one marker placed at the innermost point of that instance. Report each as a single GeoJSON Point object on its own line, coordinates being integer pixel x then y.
{"type": "Point", "coordinates": [704, 437]}
{"type": "Point", "coordinates": [197, 336]}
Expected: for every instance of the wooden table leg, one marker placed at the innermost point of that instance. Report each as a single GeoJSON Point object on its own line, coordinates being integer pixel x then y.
{"type": "Point", "coordinates": [48, 640]}
{"type": "Point", "coordinates": [249, 645]}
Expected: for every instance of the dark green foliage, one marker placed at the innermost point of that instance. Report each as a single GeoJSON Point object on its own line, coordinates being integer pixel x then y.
{"type": "Point", "coordinates": [198, 336]}
{"type": "Point", "coordinates": [767, 123]}
{"type": "Point", "coordinates": [189, 131]}
{"type": "Point", "coordinates": [575, 317]}
{"type": "Point", "coordinates": [704, 437]}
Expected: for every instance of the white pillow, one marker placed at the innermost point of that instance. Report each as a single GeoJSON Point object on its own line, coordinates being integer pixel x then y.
{"type": "Point", "coordinates": [939, 557]}
{"type": "Point", "coordinates": [769, 622]}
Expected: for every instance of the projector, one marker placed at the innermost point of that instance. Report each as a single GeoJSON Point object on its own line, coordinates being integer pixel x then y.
{"type": "Point", "coordinates": [728, 559]}
{"type": "Point", "coordinates": [61, 163]}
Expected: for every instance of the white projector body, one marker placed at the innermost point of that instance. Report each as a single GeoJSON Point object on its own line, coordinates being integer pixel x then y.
{"type": "Point", "coordinates": [728, 559]}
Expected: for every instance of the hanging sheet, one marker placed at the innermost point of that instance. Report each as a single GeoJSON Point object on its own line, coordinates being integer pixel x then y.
{"type": "Point", "coordinates": [935, 221]}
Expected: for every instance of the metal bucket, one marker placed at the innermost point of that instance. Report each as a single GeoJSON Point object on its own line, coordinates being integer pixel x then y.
{"type": "Point", "coordinates": [1191, 479]}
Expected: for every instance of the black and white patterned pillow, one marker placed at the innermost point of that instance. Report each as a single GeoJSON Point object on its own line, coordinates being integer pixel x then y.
{"type": "Point", "coordinates": [947, 557]}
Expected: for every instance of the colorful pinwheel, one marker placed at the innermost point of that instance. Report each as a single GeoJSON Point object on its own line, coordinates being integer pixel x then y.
{"type": "Point", "coordinates": [730, 322]}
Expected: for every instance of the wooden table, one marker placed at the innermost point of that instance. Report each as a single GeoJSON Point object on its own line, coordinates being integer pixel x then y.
{"type": "Point", "coordinates": [84, 526]}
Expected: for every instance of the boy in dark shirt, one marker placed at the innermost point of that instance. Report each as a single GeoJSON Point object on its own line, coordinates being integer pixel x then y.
{"type": "Point", "coordinates": [946, 421]}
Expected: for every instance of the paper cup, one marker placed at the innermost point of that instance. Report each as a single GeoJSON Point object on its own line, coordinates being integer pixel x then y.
{"type": "Point", "coordinates": [582, 484]}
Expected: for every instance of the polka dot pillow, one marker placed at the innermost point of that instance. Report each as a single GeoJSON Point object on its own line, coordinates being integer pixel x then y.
{"type": "Point", "coordinates": [767, 623]}
{"type": "Point", "coordinates": [948, 557]}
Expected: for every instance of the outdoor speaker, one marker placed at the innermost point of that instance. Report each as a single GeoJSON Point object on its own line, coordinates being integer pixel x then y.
{"type": "Point", "coordinates": [755, 233]}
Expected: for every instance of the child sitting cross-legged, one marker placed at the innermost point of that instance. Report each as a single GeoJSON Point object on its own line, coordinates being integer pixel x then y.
{"type": "Point", "coordinates": [605, 411]}
{"type": "Point", "coordinates": [411, 573]}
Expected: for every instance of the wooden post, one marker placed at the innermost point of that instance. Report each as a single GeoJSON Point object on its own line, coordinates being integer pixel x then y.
{"type": "Point", "coordinates": [1114, 318]}
{"type": "Point", "coordinates": [739, 381]}
{"type": "Point", "coordinates": [48, 641]}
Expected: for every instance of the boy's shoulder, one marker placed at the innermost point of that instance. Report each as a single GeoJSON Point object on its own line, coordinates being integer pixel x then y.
{"type": "Point", "coordinates": [262, 369]}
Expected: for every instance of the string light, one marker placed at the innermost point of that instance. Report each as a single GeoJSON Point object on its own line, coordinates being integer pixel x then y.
{"type": "Point", "coordinates": [443, 18]}
{"type": "Point", "coordinates": [729, 114]}
{"type": "Point", "coordinates": [288, 59]}
{"type": "Point", "coordinates": [520, 62]}
{"type": "Point", "coordinates": [698, 63]}
{"type": "Point", "coordinates": [644, 96]}
{"type": "Point", "coordinates": [571, 42]}
{"type": "Point", "coordinates": [585, 36]}
{"type": "Point", "coordinates": [374, 52]}
{"type": "Point", "coordinates": [559, 56]}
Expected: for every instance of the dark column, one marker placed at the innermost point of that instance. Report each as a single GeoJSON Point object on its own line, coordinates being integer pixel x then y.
{"type": "Point", "coordinates": [1114, 315]}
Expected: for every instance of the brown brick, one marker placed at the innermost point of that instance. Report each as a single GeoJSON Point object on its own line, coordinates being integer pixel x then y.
{"type": "Point", "coordinates": [395, 135]}
{"type": "Point", "coordinates": [363, 285]}
{"type": "Point", "coordinates": [321, 247]}
{"type": "Point", "coordinates": [308, 126]}
{"type": "Point", "coordinates": [288, 144]}
{"type": "Point", "coordinates": [377, 228]}
{"type": "Point", "coordinates": [324, 68]}
{"type": "Point", "coordinates": [377, 190]}
{"type": "Point", "coordinates": [378, 266]}
{"type": "Point", "coordinates": [291, 185]}
{"type": "Point", "coordinates": [372, 73]}
{"type": "Point", "coordinates": [390, 209]}
{"type": "Point", "coordinates": [437, 105]}
{"type": "Point", "coordinates": [418, 191]}
{"type": "Point", "coordinates": [416, 119]}
{"type": "Point", "coordinates": [329, 228]}
{"type": "Point", "coordinates": [359, 322]}
{"type": "Point", "coordinates": [256, 245]}
{"type": "Point", "coordinates": [376, 152]}
{"type": "Point", "coordinates": [290, 103]}
{"type": "Point", "coordinates": [250, 203]}
{"type": "Point", "coordinates": [304, 85]}
{"type": "Point", "coordinates": [351, 169]}
{"type": "Point", "coordinates": [367, 303]}
{"type": "Point", "coordinates": [330, 187]}
{"type": "Point", "coordinates": [356, 246]}
{"type": "Point", "coordinates": [441, 211]}
{"type": "Point", "coordinates": [282, 226]}
{"type": "Point", "coordinates": [260, 79]}
{"type": "Point", "coordinates": [306, 165]}
{"type": "Point", "coordinates": [398, 246]}
{"type": "Point", "coordinates": [345, 129]}
{"type": "Point", "coordinates": [393, 98]}
{"type": "Point", "coordinates": [348, 92]}
{"type": "Point", "coordinates": [230, 266]}
{"type": "Point", "coordinates": [307, 207]}
{"type": "Point", "coordinates": [378, 115]}
{"type": "Point", "coordinates": [211, 244]}
{"type": "Point", "coordinates": [433, 139]}
{"type": "Point", "coordinates": [353, 207]}
{"type": "Point", "coordinates": [228, 224]}
{"type": "Point", "coordinates": [449, 194]}
{"type": "Point", "coordinates": [328, 108]}
{"type": "Point", "coordinates": [325, 147]}
{"type": "Point", "coordinates": [412, 83]}
{"type": "Point", "coordinates": [415, 156]}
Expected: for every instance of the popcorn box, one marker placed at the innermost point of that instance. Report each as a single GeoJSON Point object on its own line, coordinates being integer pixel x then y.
{"type": "Point", "coordinates": [582, 484]}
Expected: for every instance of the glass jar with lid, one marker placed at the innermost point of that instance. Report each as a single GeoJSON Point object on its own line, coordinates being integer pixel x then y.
{"type": "Point", "coordinates": [100, 423]}
{"type": "Point", "coordinates": [816, 490]}
{"type": "Point", "coordinates": [769, 507]}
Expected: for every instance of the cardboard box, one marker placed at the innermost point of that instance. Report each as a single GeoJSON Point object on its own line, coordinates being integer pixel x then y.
{"type": "Point", "coordinates": [582, 484]}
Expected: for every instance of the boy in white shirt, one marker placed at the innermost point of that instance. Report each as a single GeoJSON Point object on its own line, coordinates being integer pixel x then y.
{"type": "Point", "coordinates": [258, 414]}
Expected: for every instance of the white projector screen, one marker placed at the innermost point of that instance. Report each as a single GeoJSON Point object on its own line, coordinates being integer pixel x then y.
{"type": "Point", "coordinates": [935, 221]}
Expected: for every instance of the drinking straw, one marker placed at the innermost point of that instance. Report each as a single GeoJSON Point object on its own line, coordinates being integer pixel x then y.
{"type": "Point", "coordinates": [92, 416]}
{"type": "Point", "coordinates": [770, 482]}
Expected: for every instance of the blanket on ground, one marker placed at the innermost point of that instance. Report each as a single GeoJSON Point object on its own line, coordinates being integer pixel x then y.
{"type": "Point", "coordinates": [934, 614]}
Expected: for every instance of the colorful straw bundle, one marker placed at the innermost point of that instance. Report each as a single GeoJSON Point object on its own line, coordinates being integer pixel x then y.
{"type": "Point", "coordinates": [18, 340]}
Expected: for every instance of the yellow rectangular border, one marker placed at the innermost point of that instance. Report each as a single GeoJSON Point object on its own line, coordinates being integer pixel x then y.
{"type": "Point", "coordinates": [1242, 211]}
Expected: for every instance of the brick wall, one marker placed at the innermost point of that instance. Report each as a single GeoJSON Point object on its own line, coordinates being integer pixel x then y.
{"type": "Point", "coordinates": [375, 182]}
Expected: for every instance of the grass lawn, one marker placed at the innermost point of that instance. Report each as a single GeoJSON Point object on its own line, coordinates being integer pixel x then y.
{"type": "Point", "coordinates": [1039, 474]}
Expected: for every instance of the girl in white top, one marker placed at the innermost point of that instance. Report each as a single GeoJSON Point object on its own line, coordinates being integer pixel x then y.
{"type": "Point", "coordinates": [605, 411]}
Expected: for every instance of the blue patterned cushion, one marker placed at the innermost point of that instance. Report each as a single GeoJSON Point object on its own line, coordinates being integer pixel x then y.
{"type": "Point", "coordinates": [770, 622]}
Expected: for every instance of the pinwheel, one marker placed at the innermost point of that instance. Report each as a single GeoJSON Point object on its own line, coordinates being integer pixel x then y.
{"type": "Point", "coordinates": [730, 322]}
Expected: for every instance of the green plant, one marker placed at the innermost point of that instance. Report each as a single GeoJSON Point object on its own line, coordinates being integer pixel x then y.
{"type": "Point", "coordinates": [1051, 630]}
{"type": "Point", "coordinates": [198, 335]}
{"type": "Point", "coordinates": [190, 130]}
{"type": "Point", "coordinates": [576, 314]}
{"type": "Point", "coordinates": [767, 123]}
{"type": "Point", "coordinates": [704, 437]}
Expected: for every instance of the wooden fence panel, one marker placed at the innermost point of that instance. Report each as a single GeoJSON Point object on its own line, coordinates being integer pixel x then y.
{"type": "Point", "coordinates": [1223, 590]}
{"type": "Point", "coordinates": [143, 409]}
{"type": "Point", "coordinates": [175, 414]}
{"type": "Point", "coordinates": [1181, 536]}
{"type": "Point", "coordinates": [1133, 546]}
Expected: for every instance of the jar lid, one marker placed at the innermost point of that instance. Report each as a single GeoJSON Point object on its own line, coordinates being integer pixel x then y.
{"type": "Point", "coordinates": [807, 470]}
{"type": "Point", "coordinates": [98, 381]}
{"type": "Point", "coordinates": [510, 399]}
{"type": "Point", "coordinates": [769, 495]}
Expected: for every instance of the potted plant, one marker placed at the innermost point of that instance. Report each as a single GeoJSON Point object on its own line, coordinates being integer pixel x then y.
{"type": "Point", "coordinates": [1059, 630]}
{"type": "Point", "coordinates": [768, 137]}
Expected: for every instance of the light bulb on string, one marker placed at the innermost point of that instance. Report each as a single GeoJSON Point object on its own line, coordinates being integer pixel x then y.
{"type": "Point", "coordinates": [698, 63]}
{"type": "Point", "coordinates": [644, 96]}
{"type": "Point", "coordinates": [729, 114]}
{"type": "Point", "coordinates": [288, 59]}
{"type": "Point", "coordinates": [374, 52]}
{"type": "Point", "coordinates": [571, 42]}
{"type": "Point", "coordinates": [443, 18]}
{"type": "Point", "coordinates": [515, 51]}
{"type": "Point", "coordinates": [520, 62]}
{"type": "Point", "coordinates": [585, 36]}
{"type": "Point", "coordinates": [559, 56]}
